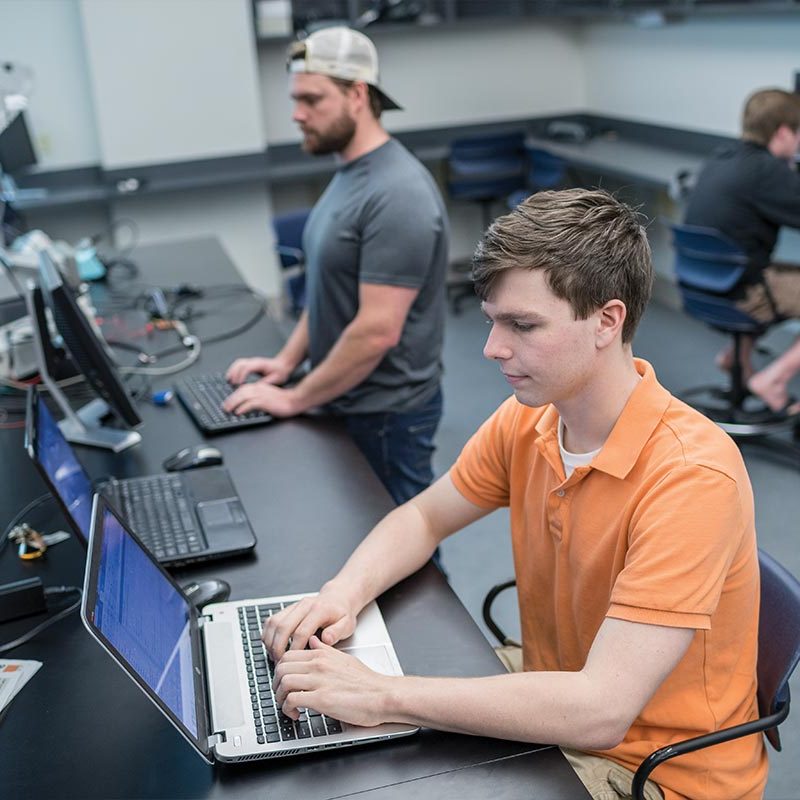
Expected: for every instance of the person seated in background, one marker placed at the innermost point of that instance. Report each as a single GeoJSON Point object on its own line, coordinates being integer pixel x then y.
{"type": "Point", "coordinates": [375, 248]}
{"type": "Point", "coordinates": [632, 527]}
{"type": "Point", "coordinates": [747, 191]}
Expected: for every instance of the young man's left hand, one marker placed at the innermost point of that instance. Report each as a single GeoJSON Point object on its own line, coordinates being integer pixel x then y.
{"type": "Point", "coordinates": [333, 683]}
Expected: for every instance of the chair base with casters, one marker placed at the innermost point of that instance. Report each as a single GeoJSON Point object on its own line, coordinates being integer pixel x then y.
{"type": "Point", "coordinates": [731, 406]}
{"type": "Point", "coordinates": [778, 656]}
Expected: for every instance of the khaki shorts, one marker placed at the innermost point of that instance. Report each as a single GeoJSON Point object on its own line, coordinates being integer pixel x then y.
{"type": "Point", "coordinates": [783, 281]}
{"type": "Point", "coordinates": [604, 779]}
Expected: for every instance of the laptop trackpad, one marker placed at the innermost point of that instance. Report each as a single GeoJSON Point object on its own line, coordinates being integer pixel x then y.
{"type": "Point", "coordinates": [376, 657]}
{"type": "Point", "coordinates": [223, 678]}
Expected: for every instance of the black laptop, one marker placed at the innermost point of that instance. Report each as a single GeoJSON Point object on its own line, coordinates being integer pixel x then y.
{"type": "Point", "coordinates": [181, 517]}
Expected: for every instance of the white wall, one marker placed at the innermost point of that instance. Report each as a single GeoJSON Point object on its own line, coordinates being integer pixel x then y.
{"type": "Point", "coordinates": [173, 81]}
{"type": "Point", "coordinates": [694, 74]}
{"type": "Point", "coordinates": [46, 36]}
{"type": "Point", "coordinates": [446, 77]}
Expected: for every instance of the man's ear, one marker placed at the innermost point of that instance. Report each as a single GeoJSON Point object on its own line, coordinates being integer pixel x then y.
{"type": "Point", "coordinates": [610, 319]}
{"type": "Point", "coordinates": [360, 95]}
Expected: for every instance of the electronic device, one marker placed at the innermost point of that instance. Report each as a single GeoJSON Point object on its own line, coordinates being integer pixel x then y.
{"type": "Point", "coordinates": [183, 518]}
{"type": "Point", "coordinates": [207, 671]}
{"type": "Point", "coordinates": [16, 146]}
{"type": "Point", "coordinates": [17, 354]}
{"type": "Point", "coordinates": [201, 455]}
{"type": "Point", "coordinates": [84, 343]}
{"type": "Point", "coordinates": [564, 130]}
{"type": "Point", "coordinates": [213, 590]}
{"type": "Point", "coordinates": [202, 396]}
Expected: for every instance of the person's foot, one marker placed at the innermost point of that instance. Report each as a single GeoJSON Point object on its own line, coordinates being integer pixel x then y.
{"type": "Point", "coordinates": [773, 391]}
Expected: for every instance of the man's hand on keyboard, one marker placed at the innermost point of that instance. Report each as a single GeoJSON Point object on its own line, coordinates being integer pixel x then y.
{"type": "Point", "coordinates": [334, 683]}
{"type": "Point", "coordinates": [263, 396]}
{"type": "Point", "coordinates": [272, 370]}
{"type": "Point", "coordinates": [329, 610]}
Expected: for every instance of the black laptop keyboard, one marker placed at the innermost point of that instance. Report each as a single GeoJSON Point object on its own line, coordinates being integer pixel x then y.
{"type": "Point", "coordinates": [203, 395]}
{"type": "Point", "coordinates": [158, 512]}
{"type": "Point", "coordinates": [271, 724]}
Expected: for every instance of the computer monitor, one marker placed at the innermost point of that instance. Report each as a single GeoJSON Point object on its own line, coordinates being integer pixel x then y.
{"type": "Point", "coordinates": [56, 462]}
{"type": "Point", "coordinates": [16, 147]}
{"type": "Point", "coordinates": [84, 344]}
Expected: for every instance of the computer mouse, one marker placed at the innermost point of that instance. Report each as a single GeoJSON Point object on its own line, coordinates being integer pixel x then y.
{"type": "Point", "coordinates": [201, 455]}
{"type": "Point", "coordinates": [201, 593]}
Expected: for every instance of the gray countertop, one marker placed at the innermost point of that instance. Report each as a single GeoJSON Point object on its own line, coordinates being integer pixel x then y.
{"type": "Point", "coordinates": [621, 149]}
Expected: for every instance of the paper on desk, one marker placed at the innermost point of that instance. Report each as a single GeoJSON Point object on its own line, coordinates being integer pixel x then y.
{"type": "Point", "coordinates": [13, 676]}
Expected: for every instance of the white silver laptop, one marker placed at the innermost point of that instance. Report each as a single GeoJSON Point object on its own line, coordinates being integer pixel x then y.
{"type": "Point", "coordinates": [207, 670]}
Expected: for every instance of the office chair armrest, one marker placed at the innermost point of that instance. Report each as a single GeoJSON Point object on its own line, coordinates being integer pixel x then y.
{"type": "Point", "coordinates": [498, 633]}
{"type": "Point", "coordinates": [698, 742]}
{"type": "Point", "coordinates": [290, 252]}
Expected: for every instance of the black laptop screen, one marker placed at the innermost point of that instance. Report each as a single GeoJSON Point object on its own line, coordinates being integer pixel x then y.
{"type": "Point", "coordinates": [146, 620]}
{"type": "Point", "coordinates": [67, 477]}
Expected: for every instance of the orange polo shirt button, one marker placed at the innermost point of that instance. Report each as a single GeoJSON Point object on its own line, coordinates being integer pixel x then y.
{"type": "Point", "coordinates": [560, 492]}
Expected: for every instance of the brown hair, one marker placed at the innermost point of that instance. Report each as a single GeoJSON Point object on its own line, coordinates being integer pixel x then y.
{"type": "Point", "coordinates": [765, 111]}
{"type": "Point", "coordinates": [375, 102]}
{"type": "Point", "coordinates": [591, 247]}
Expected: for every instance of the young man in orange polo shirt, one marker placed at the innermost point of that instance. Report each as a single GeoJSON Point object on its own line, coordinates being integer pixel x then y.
{"type": "Point", "coordinates": [631, 522]}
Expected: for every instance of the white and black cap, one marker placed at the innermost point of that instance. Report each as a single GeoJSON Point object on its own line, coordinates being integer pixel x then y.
{"type": "Point", "coordinates": [339, 52]}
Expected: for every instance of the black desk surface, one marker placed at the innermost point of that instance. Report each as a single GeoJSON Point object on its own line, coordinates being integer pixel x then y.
{"type": "Point", "coordinates": [82, 729]}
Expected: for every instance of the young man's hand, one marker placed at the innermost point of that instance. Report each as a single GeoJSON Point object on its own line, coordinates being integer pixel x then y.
{"type": "Point", "coordinates": [333, 683]}
{"type": "Point", "coordinates": [330, 610]}
{"type": "Point", "coordinates": [272, 370]}
{"type": "Point", "coordinates": [264, 396]}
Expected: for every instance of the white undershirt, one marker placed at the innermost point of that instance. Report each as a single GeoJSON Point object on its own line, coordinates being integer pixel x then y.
{"type": "Point", "coordinates": [572, 460]}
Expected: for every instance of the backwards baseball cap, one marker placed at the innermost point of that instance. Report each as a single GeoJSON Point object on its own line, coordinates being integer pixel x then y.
{"type": "Point", "coordinates": [339, 52]}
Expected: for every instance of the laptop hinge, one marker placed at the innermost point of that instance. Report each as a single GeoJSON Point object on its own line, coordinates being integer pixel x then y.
{"type": "Point", "coordinates": [217, 738]}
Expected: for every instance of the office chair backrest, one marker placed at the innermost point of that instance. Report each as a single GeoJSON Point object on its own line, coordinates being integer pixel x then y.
{"type": "Point", "coordinates": [778, 638]}
{"type": "Point", "coordinates": [486, 167]}
{"type": "Point", "coordinates": [289, 229]}
{"type": "Point", "coordinates": [707, 260]}
{"type": "Point", "coordinates": [482, 148]}
{"type": "Point", "coordinates": [545, 170]}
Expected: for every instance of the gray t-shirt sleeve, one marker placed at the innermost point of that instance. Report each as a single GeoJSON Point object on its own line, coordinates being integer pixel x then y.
{"type": "Point", "coordinates": [399, 238]}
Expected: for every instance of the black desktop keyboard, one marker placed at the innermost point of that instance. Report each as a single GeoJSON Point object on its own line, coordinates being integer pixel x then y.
{"type": "Point", "coordinates": [271, 724]}
{"type": "Point", "coordinates": [203, 395]}
{"type": "Point", "coordinates": [158, 512]}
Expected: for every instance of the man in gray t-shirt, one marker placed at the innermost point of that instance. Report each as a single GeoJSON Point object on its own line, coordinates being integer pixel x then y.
{"type": "Point", "coordinates": [376, 254]}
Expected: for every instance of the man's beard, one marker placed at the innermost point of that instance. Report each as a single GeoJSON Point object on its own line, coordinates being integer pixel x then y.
{"type": "Point", "coordinates": [334, 140]}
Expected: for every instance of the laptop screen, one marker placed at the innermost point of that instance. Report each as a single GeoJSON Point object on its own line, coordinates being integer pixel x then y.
{"type": "Point", "coordinates": [144, 617]}
{"type": "Point", "coordinates": [65, 473]}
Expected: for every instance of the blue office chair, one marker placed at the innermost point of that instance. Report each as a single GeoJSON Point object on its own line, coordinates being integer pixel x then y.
{"type": "Point", "coordinates": [289, 229]}
{"type": "Point", "coordinates": [486, 169]}
{"type": "Point", "coordinates": [778, 654]}
{"type": "Point", "coordinates": [482, 169]}
{"type": "Point", "coordinates": [708, 266]}
{"type": "Point", "coordinates": [545, 171]}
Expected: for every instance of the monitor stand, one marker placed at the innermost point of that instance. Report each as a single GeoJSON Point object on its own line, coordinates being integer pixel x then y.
{"type": "Point", "coordinates": [85, 425]}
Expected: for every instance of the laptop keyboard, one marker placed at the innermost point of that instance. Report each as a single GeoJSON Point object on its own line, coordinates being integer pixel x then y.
{"type": "Point", "coordinates": [271, 724]}
{"type": "Point", "coordinates": [158, 512]}
{"type": "Point", "coordinates": [203, 395]}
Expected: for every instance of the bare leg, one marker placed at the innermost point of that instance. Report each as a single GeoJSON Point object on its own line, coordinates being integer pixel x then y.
{"type": "Point", "coordinates": [770, 384]}
{"type": "Point", "coordinates": [724, 359]}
